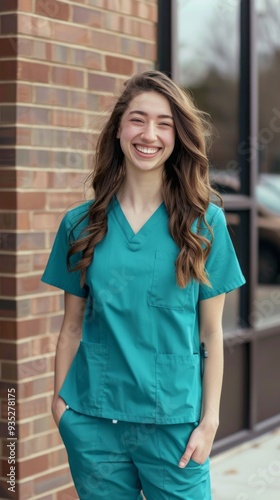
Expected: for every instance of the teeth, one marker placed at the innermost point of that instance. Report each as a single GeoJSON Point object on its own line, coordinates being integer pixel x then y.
{"type": "Point", "coordinates": [147, 151]}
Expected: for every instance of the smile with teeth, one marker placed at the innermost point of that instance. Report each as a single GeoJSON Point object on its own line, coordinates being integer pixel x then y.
{"type": "Point", "coordinates": [146, 150]}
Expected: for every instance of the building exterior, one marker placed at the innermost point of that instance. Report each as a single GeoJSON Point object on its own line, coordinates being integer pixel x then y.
{"type": "Point", "coordinates": [61, 63]}
{"type": "Point", "coordinates": [227, 53]}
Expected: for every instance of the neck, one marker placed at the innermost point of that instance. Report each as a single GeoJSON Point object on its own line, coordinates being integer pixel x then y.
{"type": "Point", "coordinates": [143, 189]}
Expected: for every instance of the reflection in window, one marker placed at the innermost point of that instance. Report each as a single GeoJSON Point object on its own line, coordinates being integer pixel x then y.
{"type": "Point", "coordinates": [207, 63]}
{"type": "Point", "coordinates": [267, 304]}
{"type": "Point", "coordinates": [231, 317]}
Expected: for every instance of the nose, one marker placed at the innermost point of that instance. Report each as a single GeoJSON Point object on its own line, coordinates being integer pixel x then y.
{"type": "Point", "coordinates": [149, 133]}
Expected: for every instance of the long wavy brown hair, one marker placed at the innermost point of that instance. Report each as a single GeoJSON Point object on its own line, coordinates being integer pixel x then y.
{"type": "Point", "coordinates": [186, 188]}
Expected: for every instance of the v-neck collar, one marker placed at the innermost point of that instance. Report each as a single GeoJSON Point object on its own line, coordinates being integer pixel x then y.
{"type": "Point", "coordinates": [130, 235]}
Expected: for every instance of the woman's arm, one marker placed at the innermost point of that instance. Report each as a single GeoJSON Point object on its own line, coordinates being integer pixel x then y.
{"type": "Point", "coordinates": [67, 346]}
{"type": "Point", "coordinates": [201, 440]}
{"type": "Point", "coordinates": [211, 334]}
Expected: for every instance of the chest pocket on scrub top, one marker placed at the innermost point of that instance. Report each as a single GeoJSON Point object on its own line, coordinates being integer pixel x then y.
{"type": "Point", "coordinates": [164, 291]}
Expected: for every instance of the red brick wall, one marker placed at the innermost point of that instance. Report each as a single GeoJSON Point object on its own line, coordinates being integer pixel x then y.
{"type": "Point", "coordinates": [61, 62]}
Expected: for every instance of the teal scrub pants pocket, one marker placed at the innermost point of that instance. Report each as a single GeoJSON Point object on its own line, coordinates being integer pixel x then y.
{"type": "Point", "coordinates": [115, 460]}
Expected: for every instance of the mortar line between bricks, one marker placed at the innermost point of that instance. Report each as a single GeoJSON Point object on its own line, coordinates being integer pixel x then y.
{"type": "Point", "coordinates": [93, 29]}
{"type": "Point", "coordinates": [50, 106]}
{"type": "Point", "coordinates": [20, 168]}
{"type": "Point", "coordinates": [35, 476]}
{"type": "Point", "coordinates": [59, 87]}
{"type": "Point", "coordinates": [34, 15]}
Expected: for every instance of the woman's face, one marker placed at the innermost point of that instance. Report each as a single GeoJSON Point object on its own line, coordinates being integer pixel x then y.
{"type": "Point", "coordinates": [147, 132]}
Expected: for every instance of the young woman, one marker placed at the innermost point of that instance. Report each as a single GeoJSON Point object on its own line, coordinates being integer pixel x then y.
{"type": "Point", "coordinates": [145, 267]}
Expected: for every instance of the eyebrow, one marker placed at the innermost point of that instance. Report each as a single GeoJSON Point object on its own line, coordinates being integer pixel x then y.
{"type": "Point", "coordinates": [139, 112]}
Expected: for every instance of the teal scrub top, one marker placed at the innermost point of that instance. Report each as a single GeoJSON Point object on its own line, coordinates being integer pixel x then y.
{"type": "Point", "coordinates": [139, 357]}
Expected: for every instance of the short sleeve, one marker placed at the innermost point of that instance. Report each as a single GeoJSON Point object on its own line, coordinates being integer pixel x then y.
{"type": "Point", "coordinates": [56, 272]}
{"type": "Point", "coordinates": [222, 266]}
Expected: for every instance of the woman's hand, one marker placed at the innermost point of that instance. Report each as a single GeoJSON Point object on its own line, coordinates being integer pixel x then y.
{"type": "Point", "coordinates": [58, 408]}
{"type": "Point", "coordinates": [200, 443]}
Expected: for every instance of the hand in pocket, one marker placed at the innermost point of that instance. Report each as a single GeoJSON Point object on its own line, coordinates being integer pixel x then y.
{"type": "Point", "coordinates": [58, 408]}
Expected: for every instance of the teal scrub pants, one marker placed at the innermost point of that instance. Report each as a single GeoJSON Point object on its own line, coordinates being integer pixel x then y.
{"type": "Point", "coordinates": [112, 460]}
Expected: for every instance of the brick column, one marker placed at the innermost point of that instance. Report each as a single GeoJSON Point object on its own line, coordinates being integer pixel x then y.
{"type": "Point", "coordinates": [8, 225]}
{"type": "Point", "coordinates": [61, 62]}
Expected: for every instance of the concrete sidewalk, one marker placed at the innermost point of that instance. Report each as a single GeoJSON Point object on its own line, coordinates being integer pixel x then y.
{"type": "Point", "coordinates": [250, 471]}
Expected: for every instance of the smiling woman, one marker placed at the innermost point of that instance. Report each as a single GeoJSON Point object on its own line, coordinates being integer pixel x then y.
{"type": "Point", "coordinates": [147, 132]}
{"type": "Point", "coordinates": [145, 267]}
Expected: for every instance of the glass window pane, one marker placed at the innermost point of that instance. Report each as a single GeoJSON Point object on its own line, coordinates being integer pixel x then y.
{"type": "Point", "coordinates": [231, 317]}
{"type": "Point", "coordinates": [207, 62]}
{"type": "Point", "coordinates": [267, 304]}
